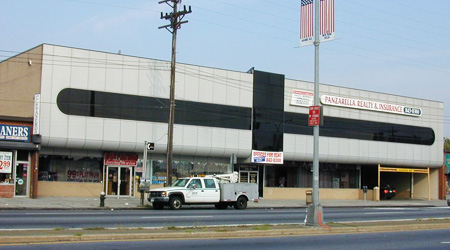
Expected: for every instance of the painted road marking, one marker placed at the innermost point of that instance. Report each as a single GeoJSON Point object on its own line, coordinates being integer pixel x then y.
{"type": "Point", "coordinates": [175, 217]}
{"type": "Point", "coordinates": [386, 213]}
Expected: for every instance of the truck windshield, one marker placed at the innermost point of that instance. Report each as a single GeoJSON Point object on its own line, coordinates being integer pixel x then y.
{"type": "Point", "coordinates": [180, 183]}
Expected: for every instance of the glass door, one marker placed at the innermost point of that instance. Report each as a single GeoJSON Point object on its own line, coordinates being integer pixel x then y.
{"type": "Point", "coordinates": [21, 180]}
{"type": "Point", "coordinates": [113, 181]}
{"type": "Point", "coordinates": [120, 181]}
{"type": "Point", "coordinates": [125, 181]}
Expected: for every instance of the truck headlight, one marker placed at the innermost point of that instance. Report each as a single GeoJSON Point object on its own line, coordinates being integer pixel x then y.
{"type": "Point", "coordinates": [163, 194]}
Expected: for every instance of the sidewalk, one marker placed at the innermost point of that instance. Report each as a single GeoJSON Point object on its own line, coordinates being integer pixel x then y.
{"type": "Point", "coordinates": [135, 203]}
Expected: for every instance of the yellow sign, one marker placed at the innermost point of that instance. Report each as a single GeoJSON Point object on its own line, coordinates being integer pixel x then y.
{"type": "Point", "coordinates": [404, 170]}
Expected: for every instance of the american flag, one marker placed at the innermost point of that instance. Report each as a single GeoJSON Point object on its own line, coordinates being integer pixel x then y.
{"type": "Point", "coordinates": [326, 18]}
{"type": "Point", "coordinates": [307, 20]}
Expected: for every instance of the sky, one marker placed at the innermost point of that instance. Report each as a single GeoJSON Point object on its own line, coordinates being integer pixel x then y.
{"type": "Point", "coordinates": [398, 47]}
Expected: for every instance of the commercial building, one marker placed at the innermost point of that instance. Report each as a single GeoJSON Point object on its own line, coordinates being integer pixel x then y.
{"type": "Point", "coordinates": [90, 113]}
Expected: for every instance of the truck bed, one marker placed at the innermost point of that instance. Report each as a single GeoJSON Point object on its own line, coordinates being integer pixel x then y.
{"type": "Point", "coordinates": [229, 191]}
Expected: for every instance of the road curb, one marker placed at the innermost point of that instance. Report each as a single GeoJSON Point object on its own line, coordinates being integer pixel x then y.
{"type": "Point", "coordinates": [208, 233]}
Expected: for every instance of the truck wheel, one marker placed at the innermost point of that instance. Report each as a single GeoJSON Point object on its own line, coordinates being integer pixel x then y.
{"type": "Point", "coordinates": [175, 202]}
{"type": "Point", "coordinates": [241, 203]}
{"type": "Point", "coordinates": [221, 205]}
{"type": "Point", "coordinates": [157, 206]}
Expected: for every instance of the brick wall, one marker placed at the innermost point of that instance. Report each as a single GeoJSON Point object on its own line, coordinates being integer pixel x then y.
{"type": "Point", "coordinates": [6, 191]}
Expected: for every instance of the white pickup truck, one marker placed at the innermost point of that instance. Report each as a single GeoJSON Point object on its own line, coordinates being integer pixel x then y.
{"type": "Point", "coordinates": [221, 190]}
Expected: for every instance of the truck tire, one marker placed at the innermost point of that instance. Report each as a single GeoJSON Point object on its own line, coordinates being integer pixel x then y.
{"type": "Point", "coordinates": [175, 202]}
{"type": "Point", "coordinates": [241, 203]}
{"type": "Point", "coordinates": [221, 205]}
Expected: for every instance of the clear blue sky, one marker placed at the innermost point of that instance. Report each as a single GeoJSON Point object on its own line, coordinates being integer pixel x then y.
{"type": "Point", "coordinates": [393, 46]}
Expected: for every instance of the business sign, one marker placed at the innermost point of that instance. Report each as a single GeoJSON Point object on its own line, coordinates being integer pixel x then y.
{"type": "Point", "coordinates": [121, 159]}
{"type": "Point", "coordinates": [15, 133]}
{"type": "Point", "coordinates": [302, 98]}
{"type": "Point", "coordinates": [370, 105]}
{"type": "Point", "coordinates": [447, 161]}
{"type": "Point", "coordinates": [37, 112]}
{"type": "Point", "coordinates": [265, 157]}
{"type": "Point", "coordinates": [404, 170]}
{"type": "Point", "coordinates": [5, 162]}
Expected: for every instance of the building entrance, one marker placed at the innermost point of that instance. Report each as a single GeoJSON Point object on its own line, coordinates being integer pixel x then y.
{"type": "Point", "coordinates": [119, 181]}
{"type": "Point", "coordinates": [21, 180]}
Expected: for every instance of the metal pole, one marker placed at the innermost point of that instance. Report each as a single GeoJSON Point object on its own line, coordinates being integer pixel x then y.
{"type": "Point", "coordinates": [314, 213]}
{"type": "Point", "coordinates": [144, 162]}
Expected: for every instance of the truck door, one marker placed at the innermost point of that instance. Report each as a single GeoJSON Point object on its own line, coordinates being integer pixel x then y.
{"type": "Point", "coordinates": [211, 191]}
{"type": "Point", "coordinates": [195, 191]}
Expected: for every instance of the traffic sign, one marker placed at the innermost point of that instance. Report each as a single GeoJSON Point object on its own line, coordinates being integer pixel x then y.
{"type": "Point", "coordinates": [314, 116]}
{"type": "Point", "coordinates": [150, 146]}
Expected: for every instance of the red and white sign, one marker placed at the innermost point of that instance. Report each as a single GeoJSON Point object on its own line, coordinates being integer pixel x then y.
{"type": "Point", "coordinates": [302, 98]}
{"type": "Point", "coordinates": [266, 157]}
{"type": "Point", "coordinates": [5, 162]}
{"type": "Point", "coordinates": [314, 116]}
{"type": "Point", "coordinates": [306, 22]}
{"type": "Point", "coordinates": [121, 159]}
{"type": "Point", "coordinates": [326, 20]}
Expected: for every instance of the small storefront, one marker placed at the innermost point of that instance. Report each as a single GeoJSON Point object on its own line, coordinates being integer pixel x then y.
{"type": "Point", "coordinates": [17, 167]}
{"type": "Point", "coordinates": [119, 174]}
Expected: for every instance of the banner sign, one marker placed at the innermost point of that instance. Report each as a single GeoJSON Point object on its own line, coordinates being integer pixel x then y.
{"type": "Point", "coordinates": [265, 157]}
{"type": "Point", "coordinates": [302, 98]}
{"type": "Point", "coordinates": [307, 22]}
{"type": "Point", "coordinates": [15, 133]}
{"type": "Point", "coordinates": [326, 20]}
{"type": "Point", "coordinates": [5, 162]}
{"type": "Point", "coordinates": [370, 105]}
{"type": "Point", "coordinates": [121, 159]}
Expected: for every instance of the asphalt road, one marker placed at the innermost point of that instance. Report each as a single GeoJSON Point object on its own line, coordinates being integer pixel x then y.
{"type": "Point", "coordinates": [429, 239]}
{"type": "Point", "coordinates": [23, 219]}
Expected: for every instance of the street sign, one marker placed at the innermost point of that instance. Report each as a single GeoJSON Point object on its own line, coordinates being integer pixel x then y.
{"type": "Point", "coordinates": [314, 116]}
{"type": "Point", "coordinates": [150, 146]}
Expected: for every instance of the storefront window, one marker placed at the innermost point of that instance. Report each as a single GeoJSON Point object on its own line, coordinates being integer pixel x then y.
{"type": "Point", "coordinates": [295, 175]}
{"type": "Point", "coordinates": [6, 166]}
{"type": "Point", "coordinates": [68, 169]}
{"type": "Point", "coordinates": [186, 168]}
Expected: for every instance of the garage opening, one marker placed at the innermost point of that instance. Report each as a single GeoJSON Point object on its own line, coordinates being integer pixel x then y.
{"type": "Point", "coordinates": [401, 173]}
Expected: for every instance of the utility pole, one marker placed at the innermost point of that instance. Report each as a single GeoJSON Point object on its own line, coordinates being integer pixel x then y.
{"type": "Point", "coordinates": [314, 215]}
{"type": "Point", "coordinates": [175, 19]}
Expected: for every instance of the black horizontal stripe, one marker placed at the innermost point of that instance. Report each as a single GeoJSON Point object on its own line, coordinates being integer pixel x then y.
{"type": "Point", "coordinates": [151, 109]}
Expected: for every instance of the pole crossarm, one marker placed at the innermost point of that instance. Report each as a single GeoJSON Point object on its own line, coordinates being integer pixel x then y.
{"type": "Point", "coordinates": [175, 17]}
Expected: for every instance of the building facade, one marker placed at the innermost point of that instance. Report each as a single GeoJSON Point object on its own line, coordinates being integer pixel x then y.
{"type": "Point", "coordinates": [92, 111]}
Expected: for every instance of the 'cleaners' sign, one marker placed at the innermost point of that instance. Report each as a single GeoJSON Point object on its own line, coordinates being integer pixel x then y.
{"type": "Point", "coordinates": [15, 133]}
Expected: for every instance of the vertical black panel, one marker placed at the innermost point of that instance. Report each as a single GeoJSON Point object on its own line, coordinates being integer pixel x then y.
{"type": "Point", "coordinates": [268, 111]}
